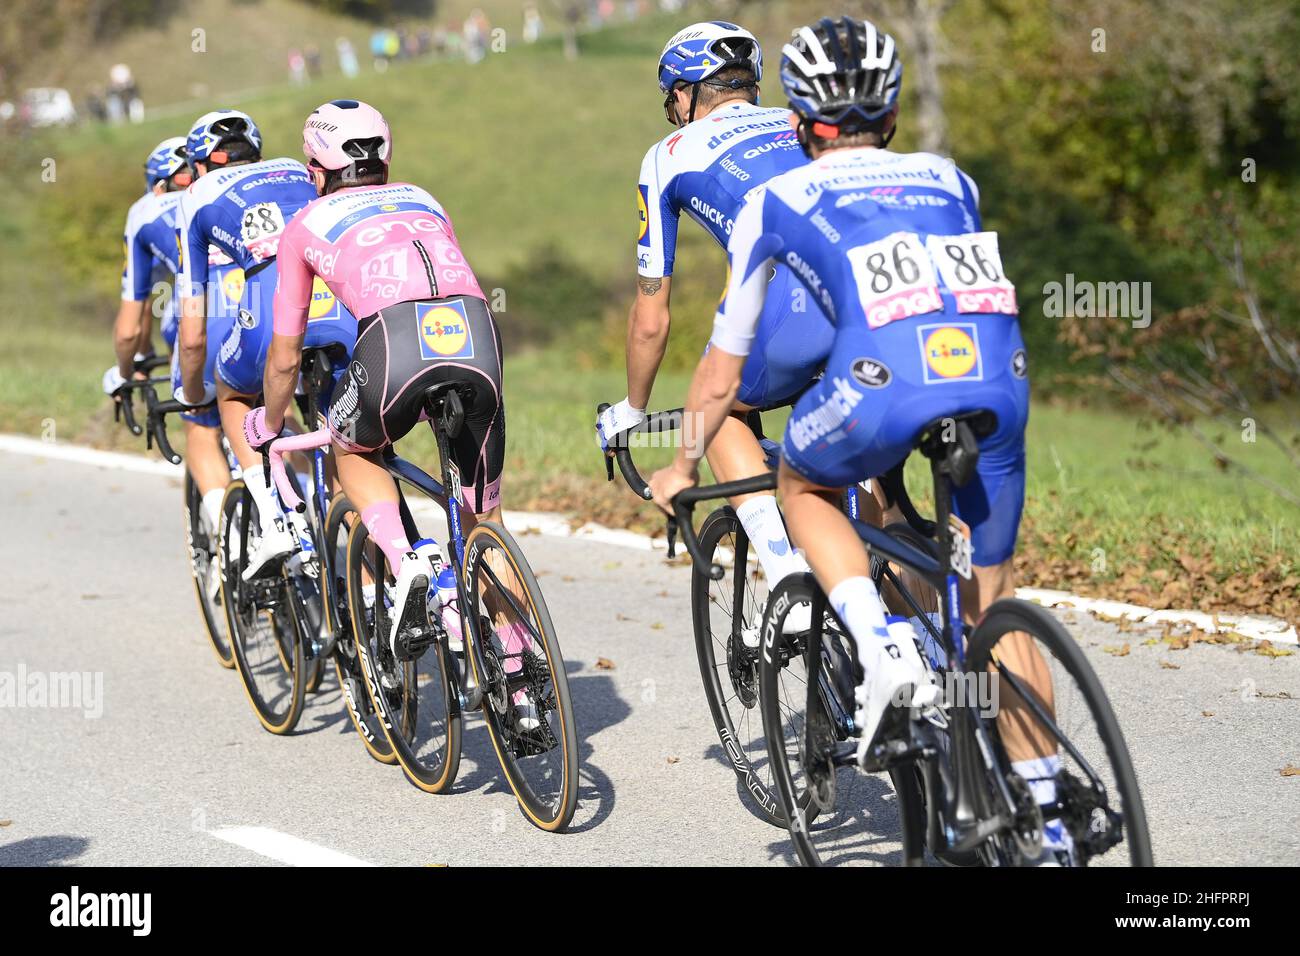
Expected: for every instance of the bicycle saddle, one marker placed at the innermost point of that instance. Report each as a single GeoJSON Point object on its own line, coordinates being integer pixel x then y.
{"type": "Point", "coordinates": [954, 440]}
{"type": "Point", "coordinates": [446, 404]}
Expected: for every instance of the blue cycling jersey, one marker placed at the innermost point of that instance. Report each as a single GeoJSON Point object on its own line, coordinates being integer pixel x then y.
{"type": "Point", "coordinates": [874, 236]}
{"type": "Point", "coordinates": [704, 170]}
{"type": "Point", "coordinates": [242, 211]}
{"type": "Point", "coordinates": [149, 242]}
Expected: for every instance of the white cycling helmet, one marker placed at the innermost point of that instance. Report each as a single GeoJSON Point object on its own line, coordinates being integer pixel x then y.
{"type": "Point", "coordinates": [347, 135]}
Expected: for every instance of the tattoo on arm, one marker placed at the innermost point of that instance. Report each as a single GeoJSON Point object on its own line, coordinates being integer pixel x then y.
{"type": "Point", "coordinates": [649, 286]}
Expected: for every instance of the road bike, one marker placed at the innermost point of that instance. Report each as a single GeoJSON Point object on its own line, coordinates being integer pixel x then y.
{"type": "Point", "coordinates": [420, 691]}
{"type": "Point", "coordinates": [956, 792]}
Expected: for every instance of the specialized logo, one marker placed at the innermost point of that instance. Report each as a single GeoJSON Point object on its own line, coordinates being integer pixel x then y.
{"type": "Point", "coordinates": [871, 373]}
{"type": "Point", "coordinates": [1019, 364]}
{"type": "Point", "coordinates": [444, 330]}
{"type": "Point", "coordinates": [323, 304]}
{"type": "Point", "coordinates": [643, 210]}
{"type": "Point", "coordinates": [951, 353]}
{"type": "Point", "coordinates": [232, 286]}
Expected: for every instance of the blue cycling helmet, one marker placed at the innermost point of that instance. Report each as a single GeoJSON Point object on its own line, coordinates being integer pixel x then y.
{"type": "Point", "coordinates": [212, 129]}
{"type": "Point", "coordinates": [841, 76]}
{"type": "Point", "coordinates": [166, 159]}
{"type": "Point", "coordinates": [703, 49]}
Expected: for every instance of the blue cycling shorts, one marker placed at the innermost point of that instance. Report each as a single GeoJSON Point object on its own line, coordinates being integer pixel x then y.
{"type": "Point", "coordinates": [242, 358]}
{"type": "Point", "coordinates": [882, 386]}
{"type": "Point", "coordinates": [791, 342]}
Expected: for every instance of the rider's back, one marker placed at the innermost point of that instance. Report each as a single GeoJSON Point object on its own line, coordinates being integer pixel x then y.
{"type": "Point", "coordinates": [704, 170]}
{"type": "Point", "coordinates": [242, 210]}
{"type": "Point", "coordinates": [375, 247]}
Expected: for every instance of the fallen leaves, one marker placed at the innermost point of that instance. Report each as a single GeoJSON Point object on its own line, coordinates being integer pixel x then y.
{"type": "Point", "coordinates": [1169, 666]}
{"type": "Point", "coordinates": [604, 664]}
{"type": "Point", "coordinates": [1290, 771]}
{"type": "Point", "coordinates": [1267, 649]}
{"type": "Point", "coordinates": [1117, 651]}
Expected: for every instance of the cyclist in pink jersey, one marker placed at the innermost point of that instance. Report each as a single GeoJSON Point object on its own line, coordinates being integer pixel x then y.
{"type": "Point", "coordinates": [389, 252]}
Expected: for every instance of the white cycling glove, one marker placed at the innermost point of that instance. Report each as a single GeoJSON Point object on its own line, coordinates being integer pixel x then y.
{"type": "Point", "coordinates": [617, 419]}
{"type": "Point", "coordinates": [113, 380]}
{"type": "Point", "coordinates": [209, 395]}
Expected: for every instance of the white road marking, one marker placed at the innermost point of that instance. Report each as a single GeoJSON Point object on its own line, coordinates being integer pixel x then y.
{"type": "Point", "coordinates": [1254, 626]}
{"type": "Point", "coordinates": [284, 847]}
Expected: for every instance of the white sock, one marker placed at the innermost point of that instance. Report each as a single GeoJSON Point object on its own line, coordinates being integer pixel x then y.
{"type": "Point", "coordinates": [1040, 773]}
{"type": "Point", "coordinates": [857, 602]}
{"type": "Point", "coordinates": [761, 520]}
{"type": "Point", "coordinates": [210, 508]}
{"type": "Point", "coordinates": [267, 509]}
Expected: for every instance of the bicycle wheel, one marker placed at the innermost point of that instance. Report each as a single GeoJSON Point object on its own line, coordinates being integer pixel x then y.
{"type": "Point", "coordinates": [511, 627]}
{"type": "Point", "coordinates": [413, 701]}
{"type": "Point", "coordinates": [1097, 796]}
{"type": "Point", "coordinates": [838, 814]}
{"type": "Point", "coordinates": [270, 661]}
{"type": "Point", "coordinates": [347, 666]}
{"type": "Point", "coordinates": [205, 568]}
{"type": "Point", "coordinates": [724, 613]}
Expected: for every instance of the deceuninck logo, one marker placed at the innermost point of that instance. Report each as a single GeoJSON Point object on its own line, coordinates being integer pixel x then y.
{"type": "Point", "coordinates": [444, 331]}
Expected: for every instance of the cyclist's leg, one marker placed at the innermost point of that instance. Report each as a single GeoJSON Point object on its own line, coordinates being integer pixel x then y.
{"type": "Point", "coordinates": [205, 459]}
{"type": "Point", "coordinates": [239, 367]}
{"type": "Point", "coordinates": [843, 429]}
{"type": "Point", "coordinates": [991, 505]}
{"type": "Point", "coordinates": [792, 341]}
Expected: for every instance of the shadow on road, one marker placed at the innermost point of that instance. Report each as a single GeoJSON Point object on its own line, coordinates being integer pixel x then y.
{"type": "Point", "coordinates": [43, 851]}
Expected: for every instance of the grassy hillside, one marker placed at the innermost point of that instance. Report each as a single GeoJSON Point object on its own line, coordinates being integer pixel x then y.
{"type": "Point", "coordinates": [246, 42]}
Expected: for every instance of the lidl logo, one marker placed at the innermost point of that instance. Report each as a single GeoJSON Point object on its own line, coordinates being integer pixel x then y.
{"type": "Point", "coordinates": [232, 286]}
{"type": "Point", "coordinates": [643, 209]}
{"type": "Point", "coordinates": [951, 352]}
{"type": "Point", "coordinates": [444, 331]}
{"type": "Point", "coordinates": [323, 304]}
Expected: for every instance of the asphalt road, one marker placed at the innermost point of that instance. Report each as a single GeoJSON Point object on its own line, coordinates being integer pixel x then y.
{"type": "Point", "coordinates": [166, 764]}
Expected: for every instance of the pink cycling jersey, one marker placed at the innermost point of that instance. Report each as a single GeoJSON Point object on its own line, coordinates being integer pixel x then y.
{"type": "Point", "coordinates": [374, 246]}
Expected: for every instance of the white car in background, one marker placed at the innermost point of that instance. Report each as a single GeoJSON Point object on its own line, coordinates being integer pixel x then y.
{"type": "Point", "coordinates": [47, 106]}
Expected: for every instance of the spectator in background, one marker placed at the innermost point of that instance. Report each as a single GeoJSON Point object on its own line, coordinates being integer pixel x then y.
{"type": "Point", "coordinates": [297, 68]}
{"type": "Point", "coordinates": [95, 108]}
{"type": "Point", "coordinates": [123, 100]}
{"type": "Point", "coordinates": [347, 57]}
{"type": "Point", "coordinates": [379, 50]}
{"type": "Point", "coordinates": [312, 55]}
{"type": "Point", "coordinates": [532, 23]}
{"type": "Point", "coordinates": [476, 32]}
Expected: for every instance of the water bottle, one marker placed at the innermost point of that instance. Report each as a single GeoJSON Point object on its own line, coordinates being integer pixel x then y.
{"type": "Point", "coordinates": [449, 602]}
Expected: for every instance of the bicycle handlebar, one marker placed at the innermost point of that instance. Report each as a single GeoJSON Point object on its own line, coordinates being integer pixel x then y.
{"type": "Point", "coordinates": [684, 505]}
{"type": "Point", "coordinates": [275, 452]}
{"type": "Point", "coordinates": [666, 421]}
{"type": "Point", "coordinates": [158, 411]}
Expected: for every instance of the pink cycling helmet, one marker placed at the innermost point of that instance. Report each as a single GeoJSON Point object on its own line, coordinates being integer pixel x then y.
{"type": "Point", "coordinates": [347, 135]}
